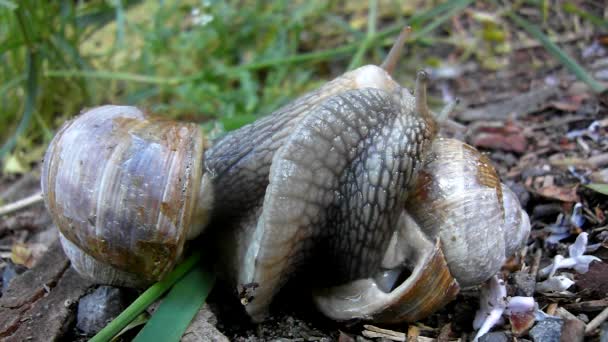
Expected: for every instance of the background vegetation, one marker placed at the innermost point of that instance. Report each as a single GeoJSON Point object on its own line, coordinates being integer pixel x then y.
{"type": "Point", "coordinates": [222, 63]}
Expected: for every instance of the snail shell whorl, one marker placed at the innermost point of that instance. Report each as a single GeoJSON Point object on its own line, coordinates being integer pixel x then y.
{"type": "Point", "coordinates": [122, 188]}
{"type": "Point", "coordinates": [459, 198]}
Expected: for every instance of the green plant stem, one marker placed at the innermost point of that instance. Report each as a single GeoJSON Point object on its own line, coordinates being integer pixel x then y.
{"type": "Point", "coordinates": [370, 40]}
{"type": "Point", "coordinates": [111, 75]}
{"type": "Point", "coordinates": [369, 37]}
{"type": "Point", "coordinates": [178, 308]}
{"type": "Point", "coordinates": [558, 53]}
{"type": "Point", "coordinates": [31, 91]}
{"type": "Point", "coordinates": [145, 299]}
{"type": "Point", "coordinates": [30, 103]}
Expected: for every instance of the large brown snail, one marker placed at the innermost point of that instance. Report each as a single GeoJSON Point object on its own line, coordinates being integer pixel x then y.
{"type": "Point", "coordinates": [349, 178]}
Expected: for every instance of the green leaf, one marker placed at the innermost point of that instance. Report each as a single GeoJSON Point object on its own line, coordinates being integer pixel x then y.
{"type": "Point", "coordinates": [558, 53]}
{"type": "Point", "coordinates": [139, 320]}
{"type": "Point", "coordinates": [599, 187]}
{"type": "Point", "coordinates": [176, 311]}
{"type": "Point", "coordinates": [145, 299]}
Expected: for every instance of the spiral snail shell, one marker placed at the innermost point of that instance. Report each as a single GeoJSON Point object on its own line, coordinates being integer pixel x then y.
{"type": "Point", "coordinates": [348, 181]}
{"type": "Point", "coordinates": [458, 226]}
{"type": "Point", "coordinates": [122, 188]}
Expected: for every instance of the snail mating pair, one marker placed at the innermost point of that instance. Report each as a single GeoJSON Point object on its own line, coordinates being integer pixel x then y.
{"type": "Point", "coordinates": [347, 184]}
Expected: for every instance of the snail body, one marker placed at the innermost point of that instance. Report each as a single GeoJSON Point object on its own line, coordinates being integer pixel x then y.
{"type": "Point", "coordinates": [458, 226]}
{"type": "Point", "coordinates": [335, 186]}
{"type": "Point", "coordinates": [344, 174]}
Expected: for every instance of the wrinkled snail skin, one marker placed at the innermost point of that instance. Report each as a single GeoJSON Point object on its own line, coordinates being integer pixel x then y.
{"type": "Point", "coordinates": [239, 163]}
{"type": "Point", "coordinates": [122, 188]}
{"type": "Point", "coordinates": [475, 221]}
{"type": "Point", "coordinates": [335, 186]}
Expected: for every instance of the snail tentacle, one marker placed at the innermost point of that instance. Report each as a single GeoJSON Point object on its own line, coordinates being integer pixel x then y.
{"type": "Point", "coordinates": [390, 62]}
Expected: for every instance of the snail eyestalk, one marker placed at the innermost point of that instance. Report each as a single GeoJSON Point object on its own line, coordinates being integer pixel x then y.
{"type": "Point", "coordinates": [390, 63]}
{"type": "Point", "coordinates": [422, 80]}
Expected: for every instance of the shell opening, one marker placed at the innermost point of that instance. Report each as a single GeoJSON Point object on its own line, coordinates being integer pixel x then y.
{"type": "Point", "coordinates": [396, 295]}
{"type": "Point", "coordinates": [388, 279]}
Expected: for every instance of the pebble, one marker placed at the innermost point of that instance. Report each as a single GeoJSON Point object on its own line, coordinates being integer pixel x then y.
{"type": "Point", "coordinates": [97, 309]}
{"type": "Point", "coordinates": [202, 328]}
{"type": "Point", "coordinates": [496, 336]}
{"type": "Point", "coordinates": [546, 211]}
{"type": "Point", "coordinates": [548, 330]}
{"type": "Point", "coordinates": [604, 332]}
{"type": "Point", "coordinates": [522, 193]}
{"type": "Point", "coordinates": [573, 330]}
{"type": "Point", "coordinates": [524, 283]}
{"type": "Point", "coordinates": [10, 271]}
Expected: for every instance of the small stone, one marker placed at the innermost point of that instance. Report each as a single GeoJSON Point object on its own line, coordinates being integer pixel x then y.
{"type": "Point", "coordinates": [202, 328]}
{"type": "Point", "coordinates": [573, 330]}
{"type": "Point", "coordinates": [546, 211]}
{"type": "Point", "coordinates": [97, 309]}
{"type": "Point", "coordinates": [548, 330]}
{"type": "Point", "coordinates": [524, 284]}
{"type": "Point", "coordinates": [522, 193]}
{"type": "Point", "coordinates": [10, 271]}
{"type": "Point", "coordinates": [604, 332]}
{"type": "Point", "coordinates": [595, 281]}
{"type": "Point", "coordinates": [496, 336]}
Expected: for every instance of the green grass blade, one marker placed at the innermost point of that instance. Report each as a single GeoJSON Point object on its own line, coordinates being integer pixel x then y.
{"type": "Point", "coordinates": [145, 299]}
{"type": "Point", "coordinates": [454, 8]}
{"type": "Point", "coordinates": [139, 320]}
{"type": "Point", "coordinates": [176, 311]}
{"type": "Point", "coordinates": [11, 84]}
{"type": "Point", "coordinates": [572, 8]}
{"type": "Point", "coordinates": [30, 103]}
{"type": "Point", "coordinates": [598, 187]}
{"type": "Point", "coordinates": [355, 62]}
{"type": "Point", "coordinates": [558, 53]}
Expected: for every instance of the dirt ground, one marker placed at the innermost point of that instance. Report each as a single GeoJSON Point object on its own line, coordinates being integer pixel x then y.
{"type": "Point", "coordinates": [545, 132]}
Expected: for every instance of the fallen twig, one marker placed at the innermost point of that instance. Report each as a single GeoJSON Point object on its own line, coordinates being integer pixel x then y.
{"type": "Point", "coordinates": [375, 332]}
{"type": "Point", "coordinates": [597, 321]}
{"type": "Point", "coordinates": [20, 204]}
{"type": "Point", "coordinates": [589, 306]}
{"type": "Point", "coordinates": [536, 263]}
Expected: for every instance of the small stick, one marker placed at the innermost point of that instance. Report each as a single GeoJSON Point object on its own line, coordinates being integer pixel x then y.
{"type": "Point", "coordinates": [390, 62]}
{"type": "Point", "coordinates": [20, 204]}
{"type": "Point", "coordinates": [551, 309]}
{"type": "Point", "coordinates": [374, 332]}
{"type": "Point", "coordinates": [536, 263]}
{"type": "Point", "coordinates": [597, 321]}
{"type": "Point", "coordinates": [413, 333]}
{"type": "Point", "coordinates": [590, 306]}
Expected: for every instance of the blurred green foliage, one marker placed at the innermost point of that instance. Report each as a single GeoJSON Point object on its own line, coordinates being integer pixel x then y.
{"type": "Point", "coordinates": [219, 63]}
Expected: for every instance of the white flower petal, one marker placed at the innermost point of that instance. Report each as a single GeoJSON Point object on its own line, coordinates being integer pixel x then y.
{"type": "Point", "coordinates": [520, 304]}
{"type": "Point", "coordinates": [490, 321]}
{"type": "Point", "coordinates": [583, 261]}
{"type": "Point", "coordinates": [579, 246]}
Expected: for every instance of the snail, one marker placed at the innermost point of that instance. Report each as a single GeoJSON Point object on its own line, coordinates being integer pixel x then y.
{"type": "Point", "coordinates": [457, 228]}
{"type": "Point", "coordinates": [339, 178]}
{"type": "Point", "coordinates": [122, 188]}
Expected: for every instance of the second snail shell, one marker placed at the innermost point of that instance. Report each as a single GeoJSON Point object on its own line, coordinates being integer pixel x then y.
{"type": "Point", "coordinates": [348, 181]}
